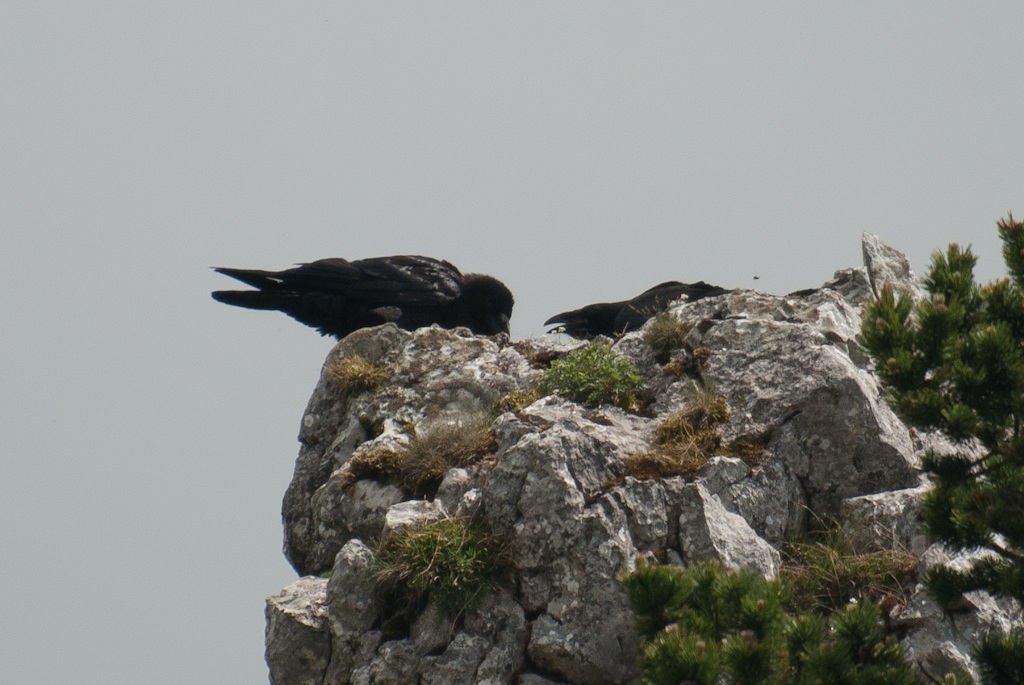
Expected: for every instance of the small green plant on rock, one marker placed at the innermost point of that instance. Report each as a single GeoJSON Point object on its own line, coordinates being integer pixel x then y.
{"type": "Point", "coordinates": [451, 562]}
{"type": "Point", "coordinates": [594, 375]}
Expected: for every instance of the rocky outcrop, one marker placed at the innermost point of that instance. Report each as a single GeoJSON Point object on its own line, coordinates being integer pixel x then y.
{"type": "Point", "coordinates": [809, 433]}
{"type": "Point", "coordinates": [435, 375]}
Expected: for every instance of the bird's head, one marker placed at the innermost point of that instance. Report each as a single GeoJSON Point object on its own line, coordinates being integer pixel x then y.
{"type": "Point", "coordinates": [484, 305]}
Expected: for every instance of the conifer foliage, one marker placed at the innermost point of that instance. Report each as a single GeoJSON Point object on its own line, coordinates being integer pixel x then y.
{"type": "Point", "coordinates": [707, 625]}
{"type": "Point", "coordinates": [955, 363]}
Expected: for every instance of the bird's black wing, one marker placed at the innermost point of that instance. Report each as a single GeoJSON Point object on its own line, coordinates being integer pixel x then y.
{"type": "Point", "coordinates": [336, 296]}
{"type": "Point", "coordinates": [637, 311]}
{"type": "Point", "coordinates": [616, 318]}
{"type": "Point", "coordinates": [404, 280]}
{"type": "Point", "coordinates": [587, 322]}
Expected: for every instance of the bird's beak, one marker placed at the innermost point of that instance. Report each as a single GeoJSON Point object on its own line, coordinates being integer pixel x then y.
{"type": "Point", "coordinates": [502, 324]}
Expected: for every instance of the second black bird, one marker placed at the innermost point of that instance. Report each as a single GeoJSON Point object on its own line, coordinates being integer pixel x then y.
{"type": "Point", "coordinates": [336, 296]}
{"type": "Point", "coordinates": [616, 318]}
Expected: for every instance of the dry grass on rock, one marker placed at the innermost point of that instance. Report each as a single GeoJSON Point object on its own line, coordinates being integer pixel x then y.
{"type": "Point", "coordinates": [420, 469]}
{"type": "Point", "coordinates": [354, 375]}
{"type": "Point", "coordinates": [666, 334]}
{"type": "Point", "coordinates": [445, 447]}
{"type": "Point", "coordinates": [685, 440]}
{"type": "Point", "coordinates": [825, 574]}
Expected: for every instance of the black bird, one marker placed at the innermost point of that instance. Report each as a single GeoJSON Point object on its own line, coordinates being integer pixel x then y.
{"type": "Point", "coordinates": [616, 318]}
{"type": "Point", "coordinates": [336, 296]}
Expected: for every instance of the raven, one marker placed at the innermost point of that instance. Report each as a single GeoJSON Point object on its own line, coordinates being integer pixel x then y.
{"type": "Point", "coordinates": [336, 296]}
{"type": "Point", "coordinates": [616, 318]}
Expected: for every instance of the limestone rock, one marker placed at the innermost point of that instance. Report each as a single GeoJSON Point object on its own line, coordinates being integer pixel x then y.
{"type": "Point", "coordinates": [470, 504]}
{"type": "Point", "coordinates": [501, 620]}
{"type": "Point", "coordinates": [352, 610]}
{"type": "Point", "coordinates": [397, 663]}
{"type": "Point", "coordinates": [568, 541]}
{"type": "Point", "coordinates": [888, 266]}
{"type": "Point", "coordinates": [433, 373]}
{"type": "Point", "coordinates": [885, 521]}
{"type": "Point", "coordinates": [431, 631]}
{"type": "Point", "coordinates": [411, 514]}
{"type": "Point", "coordinates": [456, 483]}
{"type": "Point", "coordinates": [708, 531]}
{"type": "Point", "coordinates": [795, 382]}
{"type": "Point", "coordinates": [329, 434]}
{"type": "Point", "coordinates": [643, 504]}
{"type": "Point", "coordinates": [941, 642]}
{"type": "Point", "coordinates": [343, 510]}
{"type": "Point", "coordinates": [457, 664]}
{"type": "Point", "coordinates": [534, 679]}
{"type": "Point", "coordinates": [298, 646]}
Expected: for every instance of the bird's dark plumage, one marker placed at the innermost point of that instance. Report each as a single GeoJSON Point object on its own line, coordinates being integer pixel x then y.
{"type": "Point", "coordinates": [616, 318]}
{"type": "Point", "coordinates": [336, 296]}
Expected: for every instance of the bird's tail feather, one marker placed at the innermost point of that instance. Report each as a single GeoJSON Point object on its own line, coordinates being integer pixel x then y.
{"type": "Point", "coordinates": [252, 299]}
{"type": "Point", "coordinates": [257, 278]}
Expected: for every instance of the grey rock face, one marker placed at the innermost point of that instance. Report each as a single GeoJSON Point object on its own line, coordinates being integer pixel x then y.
{"type": "Point", "coordinates": [343, 510]}
{"type": "Point", "coordinates": [502, 621]}
{"type": "Point", "coordinates": [885, 521]}
{"type": "Point", "coordinates": [298, 639]}
{"type": "Point", "coordinates": [352, 610]}
{"type": "Point", "coordinates": [568, 541]}
{"type": "Point", "coordinates": [412, 514]}
{"type": "Point", "coordinates": [708, 531]}
{"type": "Point", "coordinates": [795, 381]}
{"type": "Point", "coordinates": [534, 679]}
{"type": "Point", "coordinates": [888, 266]}
{"type": "Point", "coordinates": [803, 399]}
{"type": "Point", "coordinates": [434, 373]}
{"type": "Point", "coordinates": [941, 643]}
{"type": "Point", "coordinates": [396, 663]}
{"type": "Point", "coordinates": [643, 504]}
{"type": "Point", "coordinates": [458, 664]}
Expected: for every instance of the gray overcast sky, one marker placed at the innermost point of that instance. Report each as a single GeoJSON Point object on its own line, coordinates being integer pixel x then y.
{"type": "Point", "coordinates": [579, 151]}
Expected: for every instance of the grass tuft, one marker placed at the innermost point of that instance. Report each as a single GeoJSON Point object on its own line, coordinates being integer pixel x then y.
{"type": "Point", "coordinates": [454, 562]}
{"type": "Point", "coordinates": [747, 448]}
{"type": "Point", "coordinates": [514, 401]}
{"type": "Point", "coordinates": [445, 447]}
{"type": "Point", "coordinates": [665, 463]}
{"type": "Point", "coordinates": [696, 423]}
{"type": "Point", "coordinates": [688, 365]}
{"type": "Point", "coordinates": [825, 573]}
{"type": "Point", "coordinates": [685, 440]}
{"type": "Point", "coordinates": [666, 334]}
{"type": "Point", "coordinates": [382, 465]}
{"type": "Point", "coordinates": [354, 375]}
